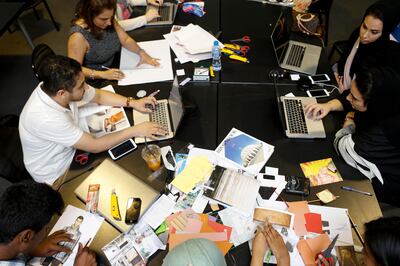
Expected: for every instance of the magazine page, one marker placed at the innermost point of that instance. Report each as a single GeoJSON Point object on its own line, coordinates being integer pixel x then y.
{"type": "Point", "coordinates": [245, 151]}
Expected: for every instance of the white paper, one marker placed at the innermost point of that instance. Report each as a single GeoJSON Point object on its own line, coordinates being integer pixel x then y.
{"type": "Point", "coordinates": [279, 183]}
{"type": "Point", "coordinates": [271, 170]}
{"type": "Point", "coordinates": [157, 49]}
{"type": "Point", "coordinates": [160, 210]}
{"type": "Point", "coordinates": [180, 72]}
{"type": "Point", "coordinates": [82, 233]}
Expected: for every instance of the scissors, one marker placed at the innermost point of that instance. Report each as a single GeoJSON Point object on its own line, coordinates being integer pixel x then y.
{"type": "Point", "coordinates": [82, 158]}
{"type": "Point", "coordinates": [243, 39]}
{"type": "Point", "coordinates": [327, 253]}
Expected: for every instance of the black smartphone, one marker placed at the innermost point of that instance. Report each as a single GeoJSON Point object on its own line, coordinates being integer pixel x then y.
{"type": "Point", "coordinates": [132, 210]}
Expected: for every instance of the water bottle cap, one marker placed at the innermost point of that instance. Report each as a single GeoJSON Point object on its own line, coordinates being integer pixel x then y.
{"type": "Point", "coordinates": [215, 43]}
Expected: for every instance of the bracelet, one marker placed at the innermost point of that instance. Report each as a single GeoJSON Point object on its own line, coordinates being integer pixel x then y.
{"type": "Point", "coordinates": [91, 75]}
{"type": "Point", "coordinates": [128, 101]}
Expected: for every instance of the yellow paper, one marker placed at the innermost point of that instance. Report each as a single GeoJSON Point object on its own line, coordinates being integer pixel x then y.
{"type": "Point", "coordinates": [195, 172]}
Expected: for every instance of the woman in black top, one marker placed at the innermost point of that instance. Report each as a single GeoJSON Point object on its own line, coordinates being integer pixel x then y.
{"type": "Point", "coordinates": [370, 137]}
{"type": "Point", "coordinates": [369, 44]}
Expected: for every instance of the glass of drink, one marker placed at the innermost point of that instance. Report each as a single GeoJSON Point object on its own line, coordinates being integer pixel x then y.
{"type": "Point", "coordinates": [152, 156]}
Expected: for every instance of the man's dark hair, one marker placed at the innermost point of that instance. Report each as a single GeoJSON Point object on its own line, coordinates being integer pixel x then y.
{"type": "Point", "coordinates": [27, 205]}
{"type": "Point", "coordinates": [382, 236]}
{"type": "Point", "coordinates": [59, 72]}
{"type": "Point", "coordinates": [80, 217]}
{"type": "Point", "coordinates": [364, 79]}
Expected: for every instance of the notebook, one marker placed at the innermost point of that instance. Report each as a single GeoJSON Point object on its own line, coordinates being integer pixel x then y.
{"type": "Point", "coordinates": [294, 55]}
{"type": "Point", "coordinates": [167, 14]}
{"type": "Point", "coordinates": [294, 120]}
{"type": "Point", "coordinates": [111, 176]}
{"type": "Point", "coordinates": [168, 113]}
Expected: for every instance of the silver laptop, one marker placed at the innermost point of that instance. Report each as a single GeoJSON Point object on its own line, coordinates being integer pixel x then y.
{"type": "Point", "coordinates": [111, 176]}
{"type": "Point", "coordinates": [168, 113]}
{"type": "Point", "coordinates": [294, 55]}
{"type": "Point", "coordinates": [167, 14]}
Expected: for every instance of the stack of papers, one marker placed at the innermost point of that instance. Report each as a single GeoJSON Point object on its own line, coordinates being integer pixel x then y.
{"type": "Point", "coordinates": [187, 225]}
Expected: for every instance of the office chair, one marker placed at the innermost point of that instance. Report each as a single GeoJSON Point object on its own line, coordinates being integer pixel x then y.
{"type": "Point", "coordinates": [337, 47]}
{"type": "Point", "coordinates": [322, 8]}
{"type": "Point", "coordinates": [39, 54]}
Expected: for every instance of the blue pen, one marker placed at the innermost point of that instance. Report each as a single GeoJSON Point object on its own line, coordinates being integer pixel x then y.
{"type": "Point", "coordinates": [356, 190]}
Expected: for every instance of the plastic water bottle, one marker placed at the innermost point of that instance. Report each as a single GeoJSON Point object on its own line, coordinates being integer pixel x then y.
{"type": "Point", "coordinates": [216, 57]}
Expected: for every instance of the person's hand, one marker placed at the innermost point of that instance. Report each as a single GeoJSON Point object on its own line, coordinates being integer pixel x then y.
{"type": "Point", "coordinates": [276, 244]}
{"type": "Point", "coordinates": [147, 59]}
{"type": "Point", "coordinates": [151, 14]}
{"type": "Point", "coordinates": [149, 129]}
{"type": "Point", "coordinates": [260, 246]}
{"type": "Point", "coordinates": [349, 120]}
{"type": "Point", "coordinates": [85, 257]}
{"type": "Point", "coordinates": [112, 74]}
{"type": "Point", "coordinates": [155, 2]}
{"type": "Point", "coordinates": [339, 80]}
{"type": "Point", "coordinates": [317, 111]}
{"type": "Point", "coordinates": [321, 261]}
{"type": "Point", "coordinates": [143, 105]}
{"type": "Point", "coordinates": [49, 246]}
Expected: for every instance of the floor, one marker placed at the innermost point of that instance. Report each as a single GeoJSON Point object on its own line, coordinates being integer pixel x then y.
{"type": "Point", "coordinates": [17, 80]}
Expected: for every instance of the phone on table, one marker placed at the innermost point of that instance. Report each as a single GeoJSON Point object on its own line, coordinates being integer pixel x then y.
{"type": "Point", "coordinates": [318, 93]}
{"type": "Point", "coordinates": [132, 210]}
{"type": "Point", "coordinates": [319, 78]}
{"type": "Point", "coordinates": [121, 149]}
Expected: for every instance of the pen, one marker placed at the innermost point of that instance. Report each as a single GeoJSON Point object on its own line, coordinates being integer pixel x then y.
{"type": "Point", "coordinates": [87, 243]}
{"type": "Point", "coordinates": [356, 190]}
{"type": "Point", "coordinates": [154, 93]}
{"type": "Point", "coordinates": [104, 67]}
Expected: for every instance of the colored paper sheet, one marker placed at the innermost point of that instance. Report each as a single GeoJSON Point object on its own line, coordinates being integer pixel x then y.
{"type": "Point", "coordinates": [193, 226]}
{"type": "Point", "coordinates": [313, 222]}
{"type": "Point", "coordinates": [299, 208]}
{"type": "Point", "coordinates": [309, 248]}
{"type": "Point", "coordinates": [176, 239]}
{"type": "Point", "coordinates": [196, 170]}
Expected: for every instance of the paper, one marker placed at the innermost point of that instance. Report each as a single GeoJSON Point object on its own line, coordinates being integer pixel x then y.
{"type": "Point", "coordinates": [281, 218]}
{"type": "Point", "coordinates": [326, 196]}
{"type": "Point", "coordinates": [157, 213]}
{"type": "Point", "coordinates": [180, 72]}
{"type": "Point", "coordinates": [299, 208]}
{"type": "Point", "coordinates": [180, 52]}
{"type": "Point", "coordinates": [157, 49]}
{"type": "Point", "coordinates": [313, 222]}
{"type": "Point", "coordinates": [271, 187]}
{"type": "Point", "coordinates": [271, 170]}
{"type": "Point", "coordinates": [309, 248]}
{"type": "Point", "coordinates": [196, 171]}
{"type": "Point", "coordinates": [81, 225]}
{"type": "Point", "coordinates": [321, 172]}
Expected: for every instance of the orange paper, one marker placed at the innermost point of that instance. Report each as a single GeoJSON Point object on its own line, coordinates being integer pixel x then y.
{"type": "Point", "coordinates": [309, 248]}
{"type": "Point", "coordinates": [299, 208]}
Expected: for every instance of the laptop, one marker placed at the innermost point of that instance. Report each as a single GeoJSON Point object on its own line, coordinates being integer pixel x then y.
{"type": "Point", "coordinates": [167, 14]}
{"type": "Point", "coordinates": [295, 123]}
{"type": "Point", "coordinates": [168, 113]}
{"type": "Point", "coordinates": [294, 55]}
{"type": "Point", "coordinates": [111, 176]}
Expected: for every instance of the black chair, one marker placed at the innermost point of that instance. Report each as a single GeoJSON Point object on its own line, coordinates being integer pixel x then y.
{"type": "Point", "coordinates": [337, 47]}
{"type": "Point", "coordinates": [39, 54]}
{"type": "Point", "coordinates": [322, 8]}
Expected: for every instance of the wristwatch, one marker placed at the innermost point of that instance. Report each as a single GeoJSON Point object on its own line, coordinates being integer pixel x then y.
{"type": "Point", "coordinates": [128, 101]}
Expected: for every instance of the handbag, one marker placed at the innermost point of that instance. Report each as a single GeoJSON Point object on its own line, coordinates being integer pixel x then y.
{"type": "Point", "coordinates": [307, 23]}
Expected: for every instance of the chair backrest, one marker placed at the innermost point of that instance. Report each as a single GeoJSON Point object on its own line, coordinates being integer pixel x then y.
{"type": "Point", "coordinates": [39, 55]}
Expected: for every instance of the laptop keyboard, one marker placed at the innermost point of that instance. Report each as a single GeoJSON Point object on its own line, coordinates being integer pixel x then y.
{"type": "Point", "coordinates": [296, 55]}
{"type": "Point", "coordinates": [295, 116]}
{"type": "Point", "coordinates": [160, 115]}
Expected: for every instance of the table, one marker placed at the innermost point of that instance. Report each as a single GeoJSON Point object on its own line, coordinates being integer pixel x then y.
{"type": "Point", "coordinates": [243, 97]}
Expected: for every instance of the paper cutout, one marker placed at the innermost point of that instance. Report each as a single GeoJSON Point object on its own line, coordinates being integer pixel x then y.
{"type": "Point", "coordinates": [274, 217]}
{"type": "Point", "coordinates": [326, 196]}
{"type": "Point", "coordinates": [299, 208]}
{"type": "Point", "coordinates": [309, 248]}
{"type": "Point", "coordinates": [313, 222]}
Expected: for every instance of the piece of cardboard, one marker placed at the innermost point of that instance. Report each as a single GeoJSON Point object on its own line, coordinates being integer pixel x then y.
{"type": "Point", "coordinates": [299, 208]}
{"type": "Point", "coordinates": [309, 248]}
{"type": "Point", "coordinates": [313, 222]}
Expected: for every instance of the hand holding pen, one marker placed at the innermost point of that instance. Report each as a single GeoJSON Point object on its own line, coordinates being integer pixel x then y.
{"type": "Point", "coordinates": [146, 104]}
{"type": "Point", "coordinates": [112, 73]}
{"type": "Point", "coordinates": [85, 256]}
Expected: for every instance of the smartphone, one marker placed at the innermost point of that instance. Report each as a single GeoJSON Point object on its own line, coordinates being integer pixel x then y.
{"type": "Point", "coordinates": [121, 149]}
{"type": "Point", "coordinates": [319, 78]}
{"type": "Point", "coordinates": [319, 93]}
{"type": "Point", "coordinates": [132, 210]}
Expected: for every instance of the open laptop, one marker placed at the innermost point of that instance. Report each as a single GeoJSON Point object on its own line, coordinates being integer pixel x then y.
{"type": "Point", "coordinates": [168, 113]}
{"type": "Point", "coordinates": [294, 55]}
{"type": "Point", "coordinates": [111, 176]}
{"type": "Point", "coordinates": [167, 14]}
{"type": "Point", "coordinates": [294, 120]}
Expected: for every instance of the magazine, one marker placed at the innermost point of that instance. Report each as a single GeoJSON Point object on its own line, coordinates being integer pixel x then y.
{"type": "Point", "coordinates": [245, 151]}
{"type": "Point", "coordinates": [321, 172]}
{"type": "Point", "coordinates": [99, 120]}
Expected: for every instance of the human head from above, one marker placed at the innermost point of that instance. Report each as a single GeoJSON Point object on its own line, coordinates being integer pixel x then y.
{"type": "Point", "coordinates": [379, 21]}
{"type": "Point", "coordinates": [382, 238]}
{"type": "Point", "coordinates": [375, 90]}
{"type": "Point", "coordinates": [25, 212]}
{"type": "Point", "coordinates": [62, 77]}
{"type": "Point", "coordinates": [97, 14]}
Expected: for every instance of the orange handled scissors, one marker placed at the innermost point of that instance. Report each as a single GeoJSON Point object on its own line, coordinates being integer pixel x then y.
{"type": "Point", "coordinates": [243, 39]}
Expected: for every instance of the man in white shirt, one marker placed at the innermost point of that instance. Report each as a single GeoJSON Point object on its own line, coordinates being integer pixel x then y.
{"type": "Point", "coordinates": [48, 123]}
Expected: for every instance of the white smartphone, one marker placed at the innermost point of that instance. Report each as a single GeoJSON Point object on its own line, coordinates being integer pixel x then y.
{"type": "Point", "coordinates": [121, 149]}
{"type": "Point", "coordinates": [317, 93]}
{"type": "Point", "coordinates": [319, 78]}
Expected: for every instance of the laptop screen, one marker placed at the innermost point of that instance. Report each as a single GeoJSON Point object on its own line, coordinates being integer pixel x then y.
{"type": "Point", "coordinates": [280, 38]}
{"type": "Point", "coordinates": [175, 104]}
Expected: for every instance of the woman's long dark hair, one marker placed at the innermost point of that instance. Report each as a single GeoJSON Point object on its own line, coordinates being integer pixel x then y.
{"type": "Point", "coordinates": [89, 9]}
